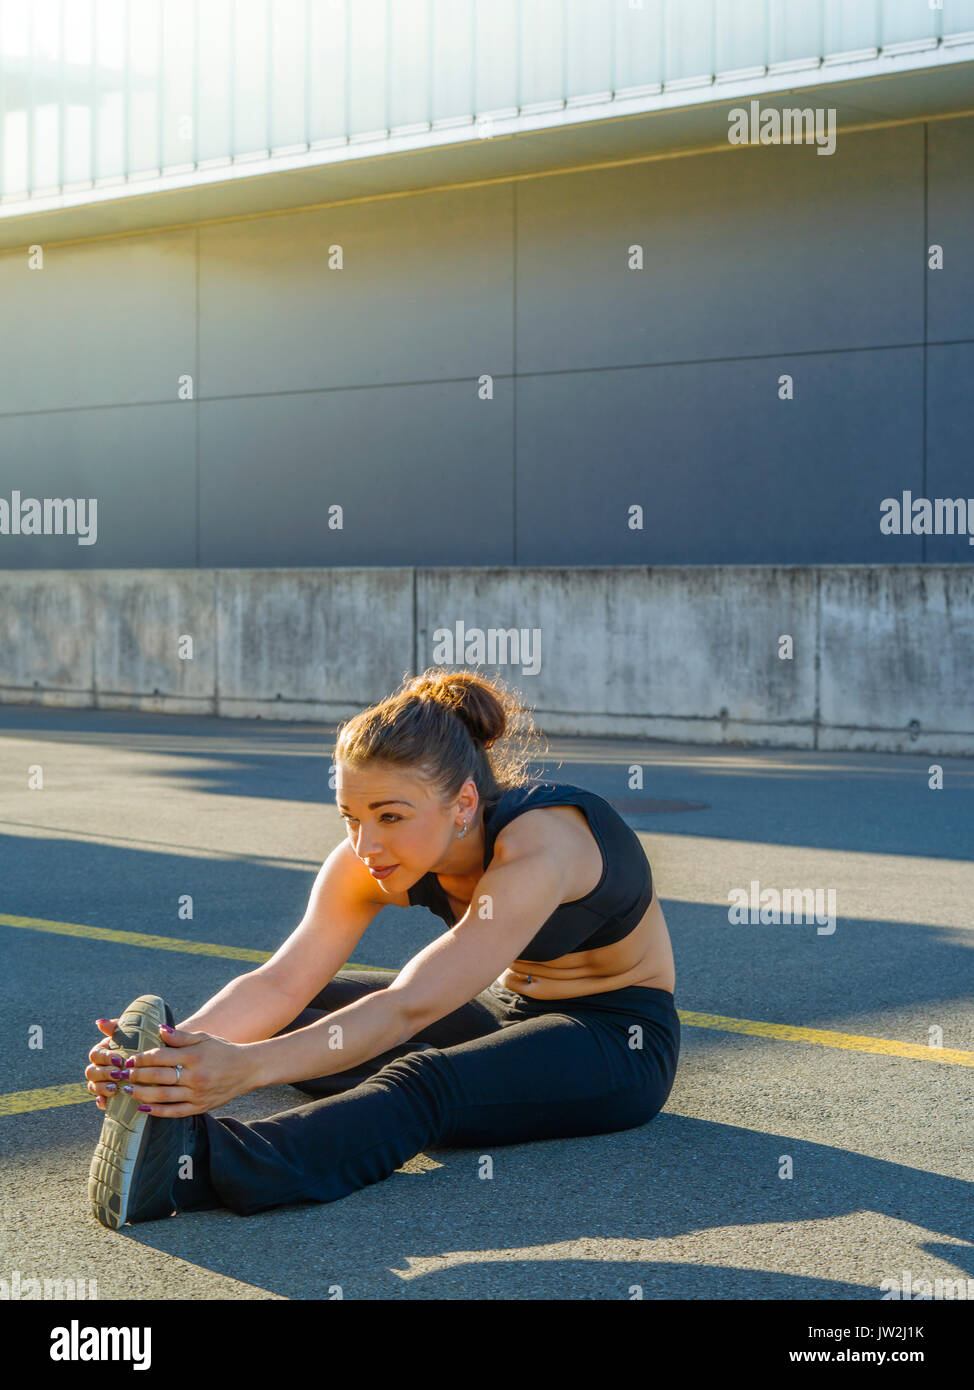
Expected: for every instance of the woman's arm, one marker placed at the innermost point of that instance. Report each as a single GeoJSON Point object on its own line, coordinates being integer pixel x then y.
{"type": "Point", "coordinates": [515, 895]}
{"type": "Point", "coordinates": [247, 1009]}
{"type": "Point", "coordinates": [526, 881]}
{"type": "Point", "coordinates": [256, 1005]}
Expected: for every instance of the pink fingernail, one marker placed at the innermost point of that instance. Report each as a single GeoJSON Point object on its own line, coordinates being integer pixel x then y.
{"type": "Point", "coordinates": [145, 1107]}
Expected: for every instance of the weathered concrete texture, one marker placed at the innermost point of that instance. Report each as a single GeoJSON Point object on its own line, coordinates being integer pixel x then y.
{"type": "Point", "coordinates": [646, 646]}
{"type": "Point", "coordinates": [898, 655]}
{"type": "Point", "coordinates": [154, 636]}
{"type": "Point", "coordinates": [332, 639]}
{"type": "Point", "coordinates": [46, 651]}
{"type": "Point", "coordinates": [883, 657]}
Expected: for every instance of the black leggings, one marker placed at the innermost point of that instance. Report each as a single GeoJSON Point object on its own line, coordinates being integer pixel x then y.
{"type": "Point", "coordinates": [503, 1069]}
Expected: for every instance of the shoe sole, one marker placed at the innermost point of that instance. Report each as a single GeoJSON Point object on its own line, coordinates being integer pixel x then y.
{"type": "Point", "coordinates": [124, 1129]}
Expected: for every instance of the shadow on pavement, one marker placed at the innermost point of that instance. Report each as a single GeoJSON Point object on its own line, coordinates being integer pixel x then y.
{"type": "Point", "coordinates": [875, 803]}
{"type": "Point", "coordinates": [446, 1233]}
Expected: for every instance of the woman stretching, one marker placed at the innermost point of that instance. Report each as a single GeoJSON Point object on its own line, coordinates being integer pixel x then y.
{"type": "Point", "coordinates": [545, 1009]}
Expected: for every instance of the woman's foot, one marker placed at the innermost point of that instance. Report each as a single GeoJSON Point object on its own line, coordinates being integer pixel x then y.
{"type": "Point", "coordinates": [139, 1159]}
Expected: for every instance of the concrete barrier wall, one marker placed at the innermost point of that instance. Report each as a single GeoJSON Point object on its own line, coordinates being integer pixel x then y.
{"type": "Point", "coordinates": [881, 657]}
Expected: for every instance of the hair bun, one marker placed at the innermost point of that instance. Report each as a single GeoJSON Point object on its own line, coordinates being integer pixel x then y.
{"type": "Point", "coordinates": [441, 725]}
{"type": "Point", "coordinates": [470, 697]}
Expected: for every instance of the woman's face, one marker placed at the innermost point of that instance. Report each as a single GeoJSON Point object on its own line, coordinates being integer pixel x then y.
{"type": "Point", "coordinates": [396, 821]}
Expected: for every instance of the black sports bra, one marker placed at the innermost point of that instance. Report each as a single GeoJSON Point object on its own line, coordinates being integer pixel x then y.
{"type": "Point", "coordinates": [615, 905]}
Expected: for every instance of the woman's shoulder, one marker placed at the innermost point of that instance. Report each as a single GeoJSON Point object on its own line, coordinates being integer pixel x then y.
{"type": "Point", "coordinates": [517, 818]}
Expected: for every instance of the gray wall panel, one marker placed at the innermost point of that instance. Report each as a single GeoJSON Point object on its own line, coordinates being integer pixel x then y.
{"type": "Point", "coordinates": [139, 463]}
{"type": "Point", "coordinates": [419, 471]}
{"type": "Point", "coordinates": [725, 472]}
{"type": "Point", "coordinates": [950, 224]}
{"type": "Point", "coordinates": [950, 442]}
{"type": "Point", "coordinates": [747, 252]}
{"type": "Point", "coordinates": [425, 292]}
{"type": "Point", "coordinates": [657, 387]}
{"type": "Point", "coordinates": [103, 323]}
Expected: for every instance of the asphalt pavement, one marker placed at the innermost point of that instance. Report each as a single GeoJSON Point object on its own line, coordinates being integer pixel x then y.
{"type": "Point", "coordinates": [818, 1138]}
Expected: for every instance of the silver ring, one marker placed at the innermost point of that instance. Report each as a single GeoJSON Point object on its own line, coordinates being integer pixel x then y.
{"type": "Point", "coordinates": [179, 1067]}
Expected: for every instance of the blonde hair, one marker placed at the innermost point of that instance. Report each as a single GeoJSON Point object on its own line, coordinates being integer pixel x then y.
{"type": "Point", "coordinates": [448, 726]}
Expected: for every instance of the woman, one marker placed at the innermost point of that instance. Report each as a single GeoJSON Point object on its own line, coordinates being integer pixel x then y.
{"type": "Point", "coordinates": [545, 1010]}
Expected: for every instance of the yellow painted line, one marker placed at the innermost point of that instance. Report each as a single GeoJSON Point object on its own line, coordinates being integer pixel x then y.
{"type": "Point", "coordinates": [852, 1042]}
{"type": "Point", "coordinates": [19, 1102]}
{"type": "Point", "coordinates": [131, 938]}
{"type": "Point", "coordinates": [155, 943]}
{"type": "Point", "coordinates": [76, 1093]}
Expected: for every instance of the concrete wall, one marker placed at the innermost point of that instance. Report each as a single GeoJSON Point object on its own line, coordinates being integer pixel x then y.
{"type": "Point", "coordinates": [314, 387]}
{"type": "Point", "coordinates": [883, 657]}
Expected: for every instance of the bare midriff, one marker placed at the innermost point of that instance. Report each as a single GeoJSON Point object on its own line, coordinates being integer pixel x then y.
{"type": "Point", "coordinates": [644, 957]}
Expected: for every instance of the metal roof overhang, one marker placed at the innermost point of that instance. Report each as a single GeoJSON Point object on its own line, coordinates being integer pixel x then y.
{"type": "Point", "coordinates": [687, 117]}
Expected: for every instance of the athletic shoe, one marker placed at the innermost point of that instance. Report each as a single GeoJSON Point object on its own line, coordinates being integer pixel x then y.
{"type": "Point", "coordinates": [136, 1161]}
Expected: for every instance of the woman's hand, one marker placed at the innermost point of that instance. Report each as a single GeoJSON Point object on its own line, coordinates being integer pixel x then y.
{"type": "Point", "coordinates": [214, 1071]}
{"type": "Point", "coordinates": [105, 1061]}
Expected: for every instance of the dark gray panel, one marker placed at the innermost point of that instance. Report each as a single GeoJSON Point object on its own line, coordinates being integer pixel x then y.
{"type": "Point", "coordinates": [104, 323]}
{"type": "Point", "coordinates": [140, 465]}
{"type": "Point", "coordinates": [757, 250]}
{"type": "Point", "coordinates": [950, 224]}
{"type": "Point", "coordinates": [950, 442]}
{"type": "Point", "coordinates": [726, 473]}
{"type": "Point", "coordinates": [763, 252]}
{"type": "Point", "coordinates": [425, 293]}
{"type": "Point", "coordinates": [423, 474]}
